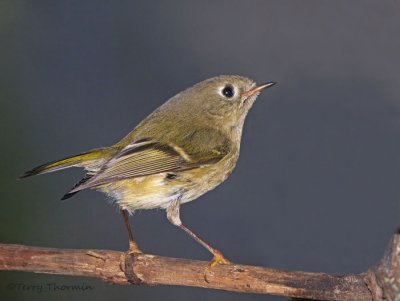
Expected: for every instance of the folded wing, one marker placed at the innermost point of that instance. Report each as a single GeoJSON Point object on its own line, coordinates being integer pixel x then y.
{"type": "Point", "coordinates": [146, 157]}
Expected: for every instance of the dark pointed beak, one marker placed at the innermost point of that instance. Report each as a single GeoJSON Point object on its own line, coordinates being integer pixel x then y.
{"type": "Point", "coordinates": [258, 89]}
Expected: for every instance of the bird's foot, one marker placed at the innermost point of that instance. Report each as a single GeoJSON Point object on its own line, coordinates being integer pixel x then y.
{"type": "Point", "coordinates": [134, 248]}
{"type": "Point", "coordinates": [128, 261]}
{"type": "Point", "coordinates": [217, 260]}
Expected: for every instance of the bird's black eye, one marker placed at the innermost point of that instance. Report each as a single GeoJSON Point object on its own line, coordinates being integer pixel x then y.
{"type": "Point", "coordinates": [228, 91]}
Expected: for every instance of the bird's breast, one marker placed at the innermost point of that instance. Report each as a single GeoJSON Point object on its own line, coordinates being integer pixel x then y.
{"type": "Point", "coordinates": [157, 191]}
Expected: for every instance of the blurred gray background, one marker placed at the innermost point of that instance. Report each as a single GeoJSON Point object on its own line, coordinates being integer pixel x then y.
{"type": "Point", "coordinates": [317, 185]}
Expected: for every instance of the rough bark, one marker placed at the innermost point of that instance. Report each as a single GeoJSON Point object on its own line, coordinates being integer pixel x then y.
{"type": "Point", "coordinates": [377, 284]}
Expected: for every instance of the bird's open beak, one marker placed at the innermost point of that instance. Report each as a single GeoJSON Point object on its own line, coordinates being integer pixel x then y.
{"type": "Point", "coordinates": [258, 89]}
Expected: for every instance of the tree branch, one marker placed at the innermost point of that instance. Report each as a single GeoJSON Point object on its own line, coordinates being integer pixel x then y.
{"type": "Point", "coordinates": [378, 283]}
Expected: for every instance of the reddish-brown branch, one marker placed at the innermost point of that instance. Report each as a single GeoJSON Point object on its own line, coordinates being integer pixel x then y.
{"type": "Point", "coordinates": [114, 267]}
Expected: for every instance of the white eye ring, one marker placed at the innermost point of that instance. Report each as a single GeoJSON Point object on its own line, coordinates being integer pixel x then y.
{"type": "Point", "coordinates": [228, 91]}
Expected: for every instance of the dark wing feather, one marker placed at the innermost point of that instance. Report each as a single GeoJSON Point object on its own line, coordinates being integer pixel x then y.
{"type": "Point", "coordinates": [146, 157]}
{"type": "Point", "coordinates": [138, 160]}
{"type": "Point", "coordinates": [70, 194]}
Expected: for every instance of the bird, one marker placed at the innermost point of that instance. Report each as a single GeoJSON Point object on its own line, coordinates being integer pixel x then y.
{"type": "Point", "coordinates": [183, 149]}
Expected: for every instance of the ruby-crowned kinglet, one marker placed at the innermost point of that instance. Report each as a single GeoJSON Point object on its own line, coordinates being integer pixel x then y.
{"type": "Point", "coordinates": [186, 147]}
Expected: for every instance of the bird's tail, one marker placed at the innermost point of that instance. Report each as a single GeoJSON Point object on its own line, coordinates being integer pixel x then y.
{"type": "Point", "coordinates": [91, 161]}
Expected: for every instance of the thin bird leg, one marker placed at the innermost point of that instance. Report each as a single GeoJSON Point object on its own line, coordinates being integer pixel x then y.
{"type": "Point", "coordinates": [133, 247]}
{"type": "Point", "coordinates": [218, 256]}
{"type": "Point", "coordinates": [173, 216]}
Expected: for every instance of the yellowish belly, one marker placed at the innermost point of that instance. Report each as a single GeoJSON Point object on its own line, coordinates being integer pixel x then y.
{"type": "Point", "coordinates": [157, 191]}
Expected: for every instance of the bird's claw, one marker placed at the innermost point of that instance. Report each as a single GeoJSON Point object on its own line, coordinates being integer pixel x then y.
{"type": "Point", "coordinates": [217, 260]}
{"type": "Point", "coordinates": [134, 249]}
